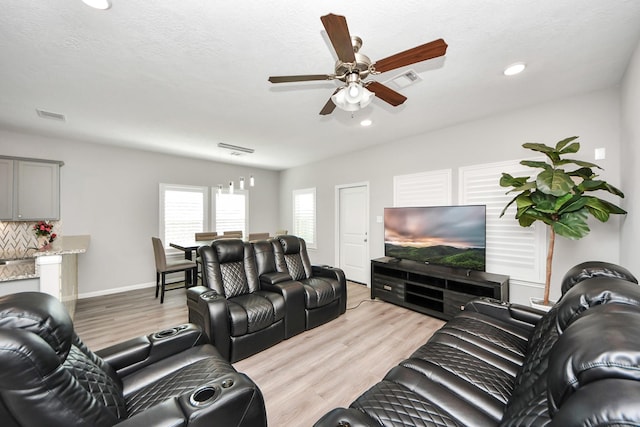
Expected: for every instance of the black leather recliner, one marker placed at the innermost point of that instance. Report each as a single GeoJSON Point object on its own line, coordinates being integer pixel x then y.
{"type": "Point", "coordinates": [325, 288]}
{"type": "Point", "coordinates": [48, 377]}
{"type": "Point", "coordinates": [239, 317]}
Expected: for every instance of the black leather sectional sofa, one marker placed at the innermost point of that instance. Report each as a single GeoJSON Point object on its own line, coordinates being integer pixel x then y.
{"type": "Point", "coordinates": [497, 364]}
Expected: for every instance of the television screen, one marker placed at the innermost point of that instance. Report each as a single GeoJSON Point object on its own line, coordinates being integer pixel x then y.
{"type": "Point", "coordinates": [454, 236]}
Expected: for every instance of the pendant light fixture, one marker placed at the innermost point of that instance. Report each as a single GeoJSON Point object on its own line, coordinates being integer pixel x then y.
{"type": "Point", "coordinates": [241, 184]}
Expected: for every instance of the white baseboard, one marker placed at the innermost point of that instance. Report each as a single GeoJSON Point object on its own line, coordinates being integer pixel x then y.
{"type": "Point", "coordinates": [116, 290]}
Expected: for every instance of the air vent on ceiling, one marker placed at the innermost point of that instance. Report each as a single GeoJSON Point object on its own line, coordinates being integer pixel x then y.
{"type": "Point", "coordinates": [235, 149]}
{"type": "Point", "coordinates": [403, 80]}
{"type": "Point", "coordinates": [50, 115]}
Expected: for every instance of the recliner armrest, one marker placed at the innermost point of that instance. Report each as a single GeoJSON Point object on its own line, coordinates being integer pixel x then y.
{"type": "Point", "coordinates": [337, 274]}
{"type": "Point", "coordinates": [129, 356]}
{"type": "Point", "coordinates": [517, 314]}
{"type": "Point", "coordinates": [328, 271]}
{"type": "Point", "coordinates": [294, 300]}
{"type": "Point", "coordinates": [215, 313]}
{"type": "Point", "coordinates": [274, 278]}
{"type": "Point", "coordinates": [232, 400]}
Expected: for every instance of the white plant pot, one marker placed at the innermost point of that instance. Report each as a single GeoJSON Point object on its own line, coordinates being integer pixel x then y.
{"type": "Point", "coordinates": [537, 304]}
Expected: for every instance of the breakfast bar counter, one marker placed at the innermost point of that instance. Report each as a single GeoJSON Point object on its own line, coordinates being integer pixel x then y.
{"type": "Point", "coordinates": [53, 270]}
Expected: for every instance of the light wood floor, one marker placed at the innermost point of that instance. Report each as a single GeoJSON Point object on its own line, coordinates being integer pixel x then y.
{"type": "Point", "coordinates": [301, 378]}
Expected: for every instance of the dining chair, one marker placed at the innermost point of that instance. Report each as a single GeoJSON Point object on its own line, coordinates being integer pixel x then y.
{"type": "Point", "coordinates": [234, 233]}
{"type": "Point", "coordinates": [258, 236]}
{"type": "Point", "coordinates": [163, 267]}
{"type": "Point", "coordinates": [206, 235]}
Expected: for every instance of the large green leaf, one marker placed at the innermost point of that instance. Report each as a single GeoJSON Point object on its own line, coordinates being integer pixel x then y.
{"type": "Point", "coordinates": [555, 182]}
{"type": "Point", "coordinates": [563, 143]}
{"type": "Point", "coordinates": [570, 149]}
{"type": "Point", "coordinates": [524, 194]}
{"type": "Point", "coordinates": [572, 225]}
{"type": "Point", "coordinates": [601, 209]}
{"type": "Point", "coordinates": [545, 203]}
{"type": "Point", "coordinates": [584, 173]}
{"type": "Point", "coordinates": [509, 181]}
{"type": "Point", "coordinates": [550, 152]}
{"type": "Point", "coordinates": [577, 162]}
{"type": "Point", "coordinates": [574, 203]}
{"type": "Point", "coordinates": [536, 164]}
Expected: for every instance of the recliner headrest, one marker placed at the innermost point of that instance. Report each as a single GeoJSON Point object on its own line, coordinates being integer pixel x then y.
{"type": "Point", "coordinates": [590, 269]}
{"type": "Point", "coordinates": [602, 344]}
{"type": "Point", "coordinates": [229, 250]}
{"type": "Point", "coordinates": [290, 244]}
{"type": "Point", "coordinates": [592, 292]}
{"type": "Point", "coordinates": [41, 314]}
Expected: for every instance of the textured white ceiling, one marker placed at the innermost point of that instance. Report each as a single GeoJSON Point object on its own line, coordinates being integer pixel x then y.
{"type": "Point", "coordinates": [180, 76]}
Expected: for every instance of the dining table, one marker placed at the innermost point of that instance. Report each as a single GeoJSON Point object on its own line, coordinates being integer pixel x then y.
{"type": "Point", "coordinates": [188, 247]}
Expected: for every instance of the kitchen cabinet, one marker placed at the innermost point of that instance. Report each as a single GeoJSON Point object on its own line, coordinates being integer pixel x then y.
{"type": "Point", "coordinates": [30, 189]}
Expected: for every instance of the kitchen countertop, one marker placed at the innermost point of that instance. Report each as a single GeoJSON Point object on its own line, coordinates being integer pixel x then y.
{"type": "Point", "coordinates": [65, 245]}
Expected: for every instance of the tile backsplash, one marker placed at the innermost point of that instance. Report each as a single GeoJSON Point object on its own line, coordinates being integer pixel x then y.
{"type": "Point", "coordinates": [16, 238]}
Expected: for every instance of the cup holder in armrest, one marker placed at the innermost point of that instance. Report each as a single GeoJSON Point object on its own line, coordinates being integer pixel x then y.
{"type": "Point", "coordinates": [210, 296]}
{"type": "Point", "coordinates": [204, 395]}
{"type": "Point", "coordinates": [169, 332]}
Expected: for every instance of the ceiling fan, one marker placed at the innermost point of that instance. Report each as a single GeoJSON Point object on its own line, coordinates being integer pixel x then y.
{"type": "Point", "coordinates": [353, 68]}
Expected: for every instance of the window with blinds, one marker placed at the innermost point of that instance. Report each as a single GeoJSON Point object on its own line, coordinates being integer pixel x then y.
{"type": "Point", "coordinates": [304, 215]}
{"type": "Point", "coordinates": [183, 212]}
{"type": "Point", "coordinates": [231, 212]}
{"type": "Point", "coordinates": [423, 189]}
{"type": "Point", "coordinates": [511, 249]}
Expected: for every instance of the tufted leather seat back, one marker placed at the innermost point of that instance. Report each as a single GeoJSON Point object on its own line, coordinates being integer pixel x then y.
{"type": "Point", "coordinates": [292, 257]}
{"type": "Point", "coordinates": [229, 267]}
{"type": "Point", "coordinates": [48, 376]}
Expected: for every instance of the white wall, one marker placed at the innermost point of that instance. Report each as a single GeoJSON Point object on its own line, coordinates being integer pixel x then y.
{"type": "Point", "coordinates": [594, 117]}
{"type": "Point", "coordinates": [631, 160]}
{"type": "Point", "coordinates": [112, 194]}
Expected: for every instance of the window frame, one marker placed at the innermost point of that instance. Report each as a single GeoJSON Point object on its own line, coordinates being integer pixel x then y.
{"type": "Point", "coordinates": [310, 242]}
{"type": "Point", "coordinates": [214, 202]}
{"type": "Point", "coordinates": [163, 189]}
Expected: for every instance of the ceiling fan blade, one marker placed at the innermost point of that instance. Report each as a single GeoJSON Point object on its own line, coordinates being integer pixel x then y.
{"type": "Point", "coordinates": [386, 93]}
{"type": "Point", "coordinates": [338, 32]}
{"type": "Point", "coordinates": [329, 106]}
{"type": "Point", "coordinates": [300, 78]}
{"type": "Point", "coordinates": [420, 53]}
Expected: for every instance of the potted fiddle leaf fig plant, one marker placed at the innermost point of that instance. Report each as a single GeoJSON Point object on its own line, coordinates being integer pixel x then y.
{"type": "Point", "coordinates": [560, 196]}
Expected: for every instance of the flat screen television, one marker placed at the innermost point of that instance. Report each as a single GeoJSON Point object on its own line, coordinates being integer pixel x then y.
{"type": "Point", "coordinates": [453, 236]}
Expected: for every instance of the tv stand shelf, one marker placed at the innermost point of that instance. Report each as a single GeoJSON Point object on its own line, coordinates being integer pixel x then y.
{"type": "Point", "coordinates": [431, 289]}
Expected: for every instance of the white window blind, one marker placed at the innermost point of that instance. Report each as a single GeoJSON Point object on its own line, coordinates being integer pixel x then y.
{"type": "Point", "coordinates": [231, 212]}
{"type": "Point", "coordinates": [431, 188]}
{"type": "Point", "coordinates": [304, 215]}
{"type": "Point", "coordinates": [511, 249]}
{"type": "Point", "coordinates": [183, 212]}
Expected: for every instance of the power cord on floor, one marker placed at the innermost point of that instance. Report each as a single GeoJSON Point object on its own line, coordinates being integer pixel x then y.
{"type": "Point", "coordinates": [364, 300]}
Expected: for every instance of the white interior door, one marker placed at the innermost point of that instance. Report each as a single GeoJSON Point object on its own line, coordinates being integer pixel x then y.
{"type": "Point", "coordinates": [353, 232]}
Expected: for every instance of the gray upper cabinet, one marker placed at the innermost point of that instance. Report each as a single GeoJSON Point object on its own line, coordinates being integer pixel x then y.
{"type": "Point", "coordinates": [30, 189]}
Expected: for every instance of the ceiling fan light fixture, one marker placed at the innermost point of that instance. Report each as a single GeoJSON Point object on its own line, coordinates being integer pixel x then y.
{"type": "Point", "coordinates": [353, 97]}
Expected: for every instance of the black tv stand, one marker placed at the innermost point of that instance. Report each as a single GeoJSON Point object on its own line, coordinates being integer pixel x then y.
{"type": "Point", "coordinates": [432, 289]}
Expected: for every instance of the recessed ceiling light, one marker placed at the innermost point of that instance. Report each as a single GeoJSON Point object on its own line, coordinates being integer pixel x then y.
{"type": "Point", "coordinates": [98, 4]}
{"type": "Point", "coordinates": [514, 69]}
{"type": "Point", "coordinates": [366, 122]}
